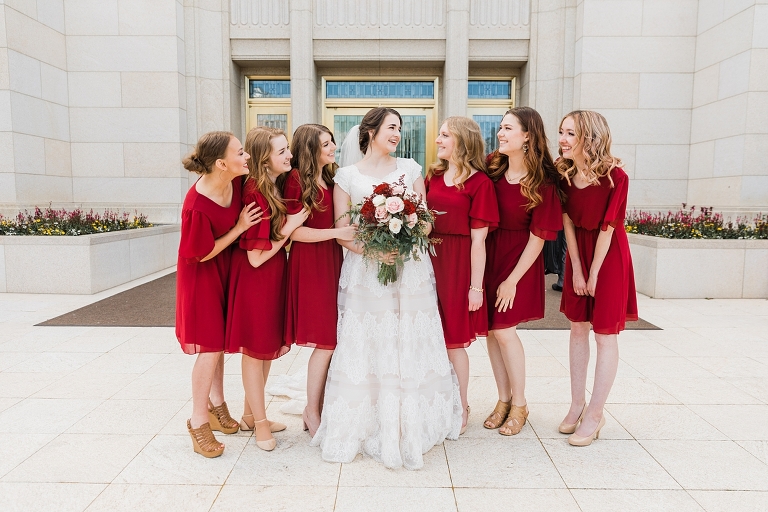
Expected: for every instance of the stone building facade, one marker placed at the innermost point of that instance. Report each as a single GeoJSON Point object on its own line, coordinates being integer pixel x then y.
{"type": "Point", "coordinates": [99, 99]}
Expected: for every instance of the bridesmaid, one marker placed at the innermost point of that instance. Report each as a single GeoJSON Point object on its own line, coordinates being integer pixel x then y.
{"type": "Point", "coordinates": [314, 263]}
{"type": "Point", "coordinates": [256, 303]}
{"type": "Point", "coordinates": [599, 286]}
{"type": "Point", "coordinates": [457, 185]}
{"type": "Point", "coordinates": [212, 217]}
{"type": "Point", "coordinates": [529, 206]}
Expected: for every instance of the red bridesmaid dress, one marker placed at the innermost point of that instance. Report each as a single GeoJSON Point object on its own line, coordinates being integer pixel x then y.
{"type": "Point", "coordinates": [201, 286]}
{"type": "Point", "coordinates": [471, 207]}
{"type": "Point", "coordinates": [256, 303]}
{"type": "Point", "coordinates": [506, 244]}
{"type": "Point", "coordinates": [593, 209]}
{"type": "Point", "coordinates": [313, 275]}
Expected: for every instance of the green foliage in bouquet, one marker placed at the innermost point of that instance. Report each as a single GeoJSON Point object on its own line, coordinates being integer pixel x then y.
{"type": "Point", "coordinates": [687, 224]}
{"type": "Point", "coordinates": [50, 222]}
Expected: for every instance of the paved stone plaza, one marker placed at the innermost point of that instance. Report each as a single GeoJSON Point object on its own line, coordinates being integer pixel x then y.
{"type": "Point", "coordinates": [94, 419]}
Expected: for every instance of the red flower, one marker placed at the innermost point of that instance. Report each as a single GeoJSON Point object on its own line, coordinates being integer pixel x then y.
{"type": "Point", "coordinates": [409, 207]}
{"type": "Point", "coordinates": [383, 189]}
{"type": "Point", "coordinates": [368, 211]}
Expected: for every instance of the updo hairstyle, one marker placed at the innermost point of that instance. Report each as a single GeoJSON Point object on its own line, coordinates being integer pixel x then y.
{"type": "Point", "coordinates": [210, 147]}
{"type": "Point", "coordinates": [373, 121]}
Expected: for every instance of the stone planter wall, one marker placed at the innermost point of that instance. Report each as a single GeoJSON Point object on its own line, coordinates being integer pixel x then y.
{"type": "Point", "coordinates": [693, 269]}
{"type": "Point", "coordinates": [85, 264]}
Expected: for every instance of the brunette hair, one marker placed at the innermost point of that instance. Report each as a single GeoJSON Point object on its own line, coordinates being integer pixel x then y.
{"type": "Point", "coordinates": [306, 152]}
{"type": "Point", "coordinates": [594, 142]}
{"type": "Point", "coordinates": [540, 168]}
{"type": "Point", "coordinates": [373, 121]}
{"type": "Point", "coordinates": [210, 147]}
{"type": "Point", "coordinates": [468, 150]}
{"type": "Point", "coordinates": [258, 143]}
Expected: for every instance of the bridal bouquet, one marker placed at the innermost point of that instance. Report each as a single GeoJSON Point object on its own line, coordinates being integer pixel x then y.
{"type": "Point", "coordinates": [393, 219]}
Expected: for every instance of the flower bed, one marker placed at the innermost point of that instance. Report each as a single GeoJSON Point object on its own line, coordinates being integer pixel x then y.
{"type": "Point", "coordinates": [101, 252]}
{"type": "Point", "coordinates": [690, 255]}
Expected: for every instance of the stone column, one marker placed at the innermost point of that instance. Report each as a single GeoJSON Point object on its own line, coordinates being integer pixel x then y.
{"type": "Point", "coordinates": [456, 59]}
{"type": "Point", "coordinates": [303, 84]}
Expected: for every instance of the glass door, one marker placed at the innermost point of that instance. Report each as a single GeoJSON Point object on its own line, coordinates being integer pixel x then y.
{"type": "Point", "coordinates": [417, 136]}
{"type": "Point", "coordinates": [489, 120]}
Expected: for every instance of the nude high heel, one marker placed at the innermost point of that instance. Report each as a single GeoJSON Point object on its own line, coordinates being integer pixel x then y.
{"type": "Point", "coordinates": [575, 440]}
{"type": "Point", "coordinates": [305, 421]}
{"type": "Point", "coordinates": [464, 428]}
{"type": "Point", "coordinates": [570, 428]}
{"type": "Point", "coordinates": [267, 444]}
{"type": "Point", "coordinates": [274, 426]}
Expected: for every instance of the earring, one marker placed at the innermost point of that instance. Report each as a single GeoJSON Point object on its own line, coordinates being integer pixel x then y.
{"type": "Point", "coordinates": [525, 148]}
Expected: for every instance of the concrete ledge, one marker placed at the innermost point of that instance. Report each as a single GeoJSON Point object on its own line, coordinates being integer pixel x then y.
{"type": "Point", "coordinates": [697, 269]}
{"type": "Point", "coordinates": [85, 264]}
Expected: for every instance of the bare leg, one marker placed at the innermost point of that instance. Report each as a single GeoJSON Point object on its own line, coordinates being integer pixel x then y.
{"type": "Point", "coordinates": [217, 386]}
{"type": "Point", "coordinates": [499, 370]}
{"type": "Point", "coordinates": [579, 361]}
{"type": "Point", "coordinates": [460, 361]}
{"type": "Point", "coordinates": [317, 372]}
{"type": "Point", "coordinates": [253, 382]}
{"type": "Point", "coordinates": [605, 373]}
{"type": "Point", "coordinates": [511, 349]}
{"type": "Point", "coordinates": [202, 378]}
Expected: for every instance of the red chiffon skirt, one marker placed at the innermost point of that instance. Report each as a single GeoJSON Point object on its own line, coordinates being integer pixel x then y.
{"type": "Point", "coordinates": [452, 275]}
{"type": "Point", "coordinates": [201, 303]}
{"type": "Point", "coordinates": [256, 315]}
{"type": "Point", "coordinates": [503, 250]}
{"type": "Point", "coordinates": [615, 300]}
{"type": "Point", "coordinates": [313, 288]}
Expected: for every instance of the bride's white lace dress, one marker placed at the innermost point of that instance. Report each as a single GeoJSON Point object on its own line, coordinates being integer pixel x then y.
{"type": "Point", "coordinates": [391, 392]}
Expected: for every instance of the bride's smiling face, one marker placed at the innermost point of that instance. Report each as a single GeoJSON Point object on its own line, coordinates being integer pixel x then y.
{"type": "Point", "coordinates": [388, 137]}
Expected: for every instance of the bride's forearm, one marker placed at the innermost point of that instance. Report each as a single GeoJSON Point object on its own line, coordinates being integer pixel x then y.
{"type": "Point", "coordinates": [355, 247]}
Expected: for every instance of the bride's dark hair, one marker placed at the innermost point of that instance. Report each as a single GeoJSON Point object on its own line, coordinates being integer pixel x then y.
{"type": "Point", "coordinates": [372, 121]}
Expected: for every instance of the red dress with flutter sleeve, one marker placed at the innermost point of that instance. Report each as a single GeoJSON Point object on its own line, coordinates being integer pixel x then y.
{"type": "Point", "coordinates": [201, 286]}
{"type": "Point", "coordinates": [471, 207]}
{"type": "Point", "coordinates": [505, 246]}
{"type": "Point", "coordinates": [256, 303]}
{"type": "Point", "coordinates": [593, 209]}
{"type": "Point", "coordinates": [313, 275]}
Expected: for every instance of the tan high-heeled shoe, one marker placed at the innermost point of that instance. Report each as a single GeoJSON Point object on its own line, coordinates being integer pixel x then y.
{"type": "Point", "coordinates": [220, 419]}
{"type": "Point", "coordinates": [515, 421]}
{"type": "Point", "coordinates": [575, 440]}
{"type": "Point", "coordinates": [496, 418]}
{"type": "Point", "coordinates": [570, 428]}
{"type": "Point", "coordinates": [305, 421]}
{"type": "Point", "coordinates": [203, 440]}
{"type": "Point", "coordinates": [464, 428]}
{"type": "Point", "coordinates": [274, 426]}
{"type": "Point", "coordinates": [265, 444]}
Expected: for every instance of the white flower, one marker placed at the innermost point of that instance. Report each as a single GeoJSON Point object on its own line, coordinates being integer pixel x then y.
{"type": "Point", "coordinates": [395, 205]}
{"type": "Point", "coordinates": [378, 200]}
{"type": "Point", "coordinates": [395, 225]}
{"type": "Point", "coordinates": [398, 190]}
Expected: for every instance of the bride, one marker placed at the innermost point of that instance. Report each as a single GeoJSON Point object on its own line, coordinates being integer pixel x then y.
{"type": "Point", "coordinates": [391, 392]}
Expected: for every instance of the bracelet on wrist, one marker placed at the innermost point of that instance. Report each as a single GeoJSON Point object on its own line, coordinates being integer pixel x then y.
{"type": "Point", "coordinates": [475, 289]}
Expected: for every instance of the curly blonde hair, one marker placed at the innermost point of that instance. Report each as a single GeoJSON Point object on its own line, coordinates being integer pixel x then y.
{"type": "Point", "coordinates": [258, 143]}
{"type": "Point", "coordinates": [594, 144]}
{"type": "Point", "coordinates": [468, 152]}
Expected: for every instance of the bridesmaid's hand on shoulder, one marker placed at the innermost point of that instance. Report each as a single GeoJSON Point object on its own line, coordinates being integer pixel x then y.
{"type": "Point", "coordinates": [250, 215]}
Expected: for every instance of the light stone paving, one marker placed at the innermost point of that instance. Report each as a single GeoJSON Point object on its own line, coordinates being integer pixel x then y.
{"type": "Point", "coordinates": [94, 419]}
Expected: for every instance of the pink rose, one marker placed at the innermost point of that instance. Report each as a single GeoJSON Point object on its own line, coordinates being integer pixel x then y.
{"type": "Point", "coordinates": [398, 190]}
{"type": "Point", "coordinates": [381, 212]}
{"type": "Point", "coordinates": [395, 204]}
{"type": "Point", "coordinates": [412, 220]}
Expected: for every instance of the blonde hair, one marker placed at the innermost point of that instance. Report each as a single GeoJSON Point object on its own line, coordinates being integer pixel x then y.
{"type": "Point", "coordinates": [306, 153]}
{"type": "Point", "coordinates": [594, 143]}
{"type": "Point", "coordinates": [209, 148]}
{"type": "Point", "coordinates": [468, 151]}
{"type": "Point", "coordinates": [258, 143]}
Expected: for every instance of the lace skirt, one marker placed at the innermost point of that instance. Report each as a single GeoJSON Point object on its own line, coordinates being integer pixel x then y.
{"type": "Point", "coordinates": [391, 392]}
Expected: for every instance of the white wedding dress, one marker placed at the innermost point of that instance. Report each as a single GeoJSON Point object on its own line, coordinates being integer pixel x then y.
{"type": "Point", "coordinates": [391, 392]}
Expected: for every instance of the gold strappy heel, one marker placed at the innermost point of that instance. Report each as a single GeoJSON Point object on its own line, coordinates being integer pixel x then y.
{"type": "Point", "coordinates": [496, 418]}
{"type": "Point", "coordinates": [203, 441]}
{"type": "Point", "coordinates": [515, 421]}
{"type": "Point", "coordinates": [220, 419]}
